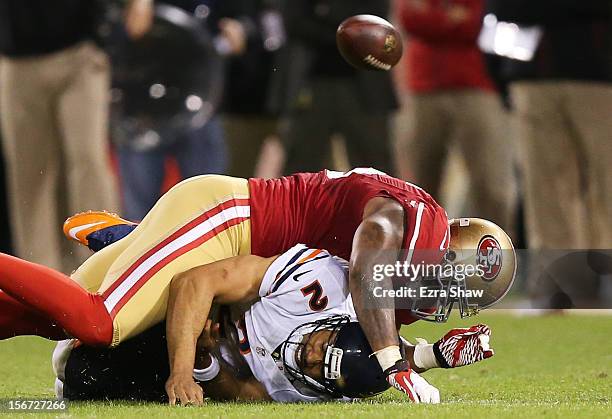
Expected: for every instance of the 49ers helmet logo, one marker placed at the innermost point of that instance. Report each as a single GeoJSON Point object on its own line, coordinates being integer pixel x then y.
{"type": "Point", "coordinates": [489, 257]}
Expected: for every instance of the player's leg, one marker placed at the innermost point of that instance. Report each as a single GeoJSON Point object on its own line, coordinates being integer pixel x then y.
{"type": "Point", "coordinates": [245, 136]}
{"type": "Point", "coordinates": [55, 296]}
{"type": "Point", "coordinates": [234, 240]}
{"type": "Point", "coordinates": [593, 126]}
{"type": "Point", "coordinates": [17, 319]}
{"type": "Point", "coordinates": [32, 155]}
{"type": "Point", "coordinates": [202, 151]}
{"type": "Point", "coordinates": [424, 144]}
{"type": "Point", "coordinates": [82, 108]}
{"type": "Point", "coordinates": [367, 141]}
{"type": "Point", "coordinates": [487, 145]}
{"type": "Point", "coordinates": [307, 130]}
{"type": "Point", "coordinates": [365, 130]}
{"type": "Point", "coordinates": [200, 220]}
{"type": "Point", "coordinates": [142, 176]}
{"type": "Point", "coordinates": [551, 168]}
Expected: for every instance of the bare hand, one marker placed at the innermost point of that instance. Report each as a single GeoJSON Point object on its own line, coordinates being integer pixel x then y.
{"type": "Point", "coordinates": [183, 389]}
{"type": "Point", "coordinates": [209, 339]}
{"type": "Point", "coordinates": [457, 13]}
{"type": "Point", "coordinates": [233, 31]}
{"type": "Point", "coordinates": [139, 18]}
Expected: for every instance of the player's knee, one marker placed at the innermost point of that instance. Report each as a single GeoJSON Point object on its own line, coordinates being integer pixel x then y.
{"type": "Point", "coordinates": [97, 337]}
{"type": "Point", "coordinates": [97, 324]}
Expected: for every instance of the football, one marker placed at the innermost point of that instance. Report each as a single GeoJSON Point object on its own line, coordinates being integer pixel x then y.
{"type": "Point", "coordinates": [369, 42]}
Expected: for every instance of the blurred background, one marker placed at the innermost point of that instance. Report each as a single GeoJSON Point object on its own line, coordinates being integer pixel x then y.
{"type": "Point", "coordinates": [501, 109]}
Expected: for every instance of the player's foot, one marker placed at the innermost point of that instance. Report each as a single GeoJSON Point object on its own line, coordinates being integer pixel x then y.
{"type": "Point", "coordinates": [97, 229]}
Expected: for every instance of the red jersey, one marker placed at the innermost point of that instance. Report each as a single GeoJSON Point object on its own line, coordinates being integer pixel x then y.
{"type": "Point", "coordinates": [443, 53]}
{"type": "Point", "coordinates": [324, 209]}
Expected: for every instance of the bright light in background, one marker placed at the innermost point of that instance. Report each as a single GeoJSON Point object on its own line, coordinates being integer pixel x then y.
{"type": "Point", "coordinates": [490, 20]}
{"type": "Point", "coordinates": [157, 91]}
{"type": "Point", "coordinates": [508, 39]}
{"type": "Point", "coordinates": [202, 11]}
{"type": "Point", "coordinates": [505, 38]}
{"type": "Point", "coordinates": [193, 103]}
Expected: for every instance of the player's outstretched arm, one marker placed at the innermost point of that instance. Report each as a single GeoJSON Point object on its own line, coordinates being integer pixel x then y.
{"type": "Point", "coordinates": [457, 348]}
{"type": "Point", "coordinates": [233, 280]}
{"type": "Point", "coordinates": [378, 240]}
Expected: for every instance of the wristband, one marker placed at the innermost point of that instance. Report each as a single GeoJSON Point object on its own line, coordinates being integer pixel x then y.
{"type": "Point", "coordinates": [439, 357]}
{"type": "Point", "coordinates": [209, 373]}
{"type": "Point", "coordinates": [400, 366]}
{"type": "Point", "coordinates": [387, 357]}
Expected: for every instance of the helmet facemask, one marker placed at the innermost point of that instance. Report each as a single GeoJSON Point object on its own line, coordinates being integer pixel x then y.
{"type": "Point", "coordinates": [348, 368]}
{"type": "Point", "coordinates": [293, 354]}
{"type": "Point", "coordinates": [438, 308]}
{"type": "Point", "coordinates": [488, 249]}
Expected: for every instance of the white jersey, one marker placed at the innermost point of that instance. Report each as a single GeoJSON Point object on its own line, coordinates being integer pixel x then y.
{"type": "Point", "coordinates": [302, 285]}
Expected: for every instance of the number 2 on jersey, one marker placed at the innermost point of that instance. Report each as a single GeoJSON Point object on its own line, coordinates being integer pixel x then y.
{"type": "Point", "coordinates": [317, 301]}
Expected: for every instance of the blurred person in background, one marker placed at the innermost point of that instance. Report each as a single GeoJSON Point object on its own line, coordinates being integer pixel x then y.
{"type": "Point", "coordinates": [556, 57]}
{"type": "Point", "coordinates": [178, 45]}
{"type": "Point", "coordinates": [560, 72]}
{"type": "Point", "coordinates": [54, 100]}
{"type": "Point", "coordinates": [321, 95]}
{"type": "Point", "coordinates": [5, 225]}
{"type": "Point", "coordinates": [248, 121]}
{"type": "Point", "coordinates": [452, 104]}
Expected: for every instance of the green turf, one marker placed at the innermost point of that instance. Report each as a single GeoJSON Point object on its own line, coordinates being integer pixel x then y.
{"type": "Point", "coordinates": [556, 366]}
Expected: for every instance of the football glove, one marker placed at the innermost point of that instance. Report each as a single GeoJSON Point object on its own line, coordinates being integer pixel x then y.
{"type": "Point", "coordinates": [460, 347]}
{"type": "Point", "coordinates": [404, 379]}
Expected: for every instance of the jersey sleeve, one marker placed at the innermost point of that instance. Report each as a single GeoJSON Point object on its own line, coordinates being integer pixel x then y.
{"type": "Point", "coordinates": [426, 240]}
{"type": "Point", "coordinates": [427, 233]}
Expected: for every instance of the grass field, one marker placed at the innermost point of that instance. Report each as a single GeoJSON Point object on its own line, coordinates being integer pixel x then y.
{"type": "Point", "coordinates": [554, 366]}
